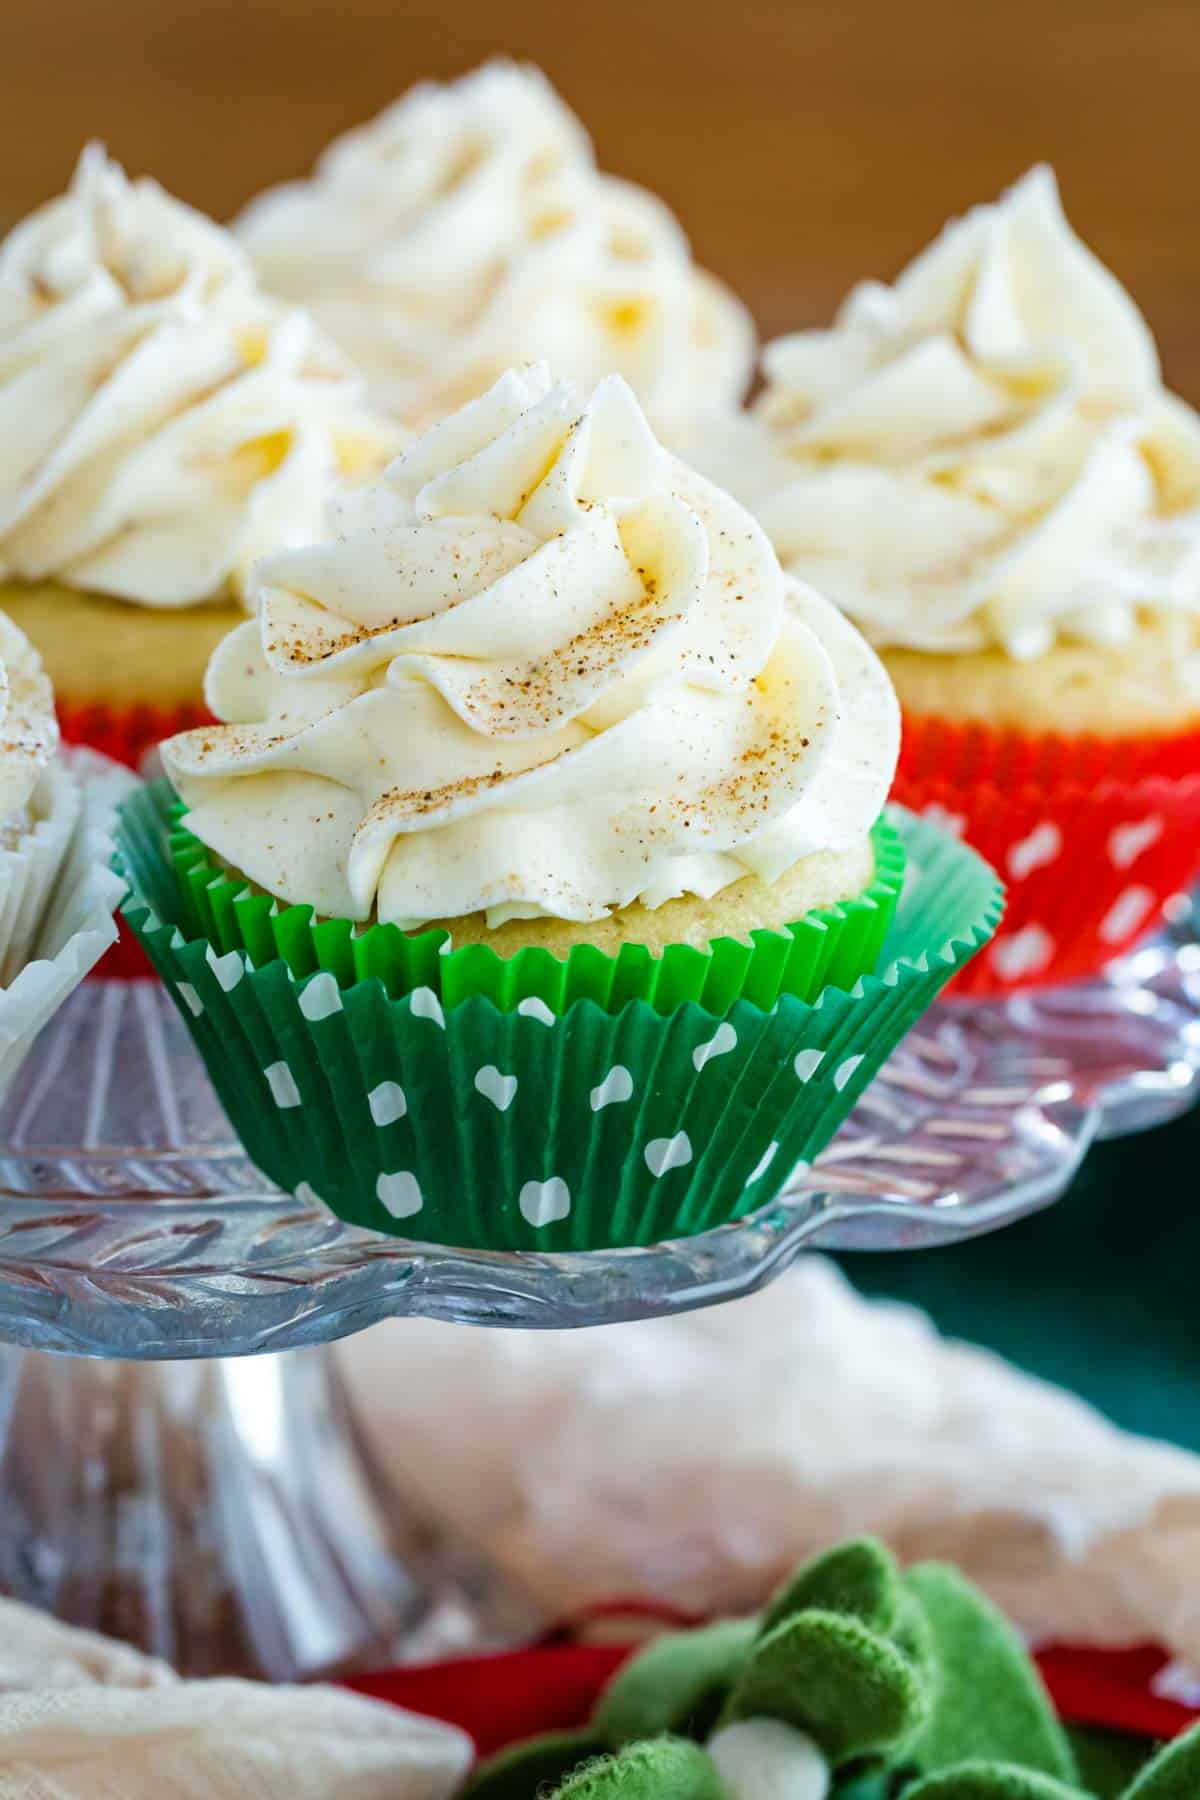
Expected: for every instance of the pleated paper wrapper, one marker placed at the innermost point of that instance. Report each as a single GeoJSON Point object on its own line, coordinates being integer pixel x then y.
{"type": "Point", "coordinates": [58, 896]}
{"type": "Point", "coordinates": [1093, 838]}
{"type": "Point", "coordinates": [408, 1105]}
{"type": "Point", "coordinates": [126, 734]}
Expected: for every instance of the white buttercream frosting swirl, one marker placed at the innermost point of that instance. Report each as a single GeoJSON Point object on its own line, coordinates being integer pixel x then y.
{"type": "Point", "coordinates": [28, 726]}
{"type": "Point", "coordinates": [543, 669]}
{"type": "Point", "coordinates": [983, 453]}
{"type": "Point", "coordinates": [162, 422]}
{"type": "Point", "coordinates": [467, 229]}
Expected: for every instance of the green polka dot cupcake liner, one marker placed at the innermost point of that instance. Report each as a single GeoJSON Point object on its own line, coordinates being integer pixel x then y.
{"type": "Point", "coordinates": [830, 947]}
{"type": "Point", "coordinates": [411, 1109]}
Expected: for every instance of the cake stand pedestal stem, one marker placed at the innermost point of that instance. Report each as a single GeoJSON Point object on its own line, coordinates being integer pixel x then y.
{"type": "Point", "coordinates": [220, 1514]}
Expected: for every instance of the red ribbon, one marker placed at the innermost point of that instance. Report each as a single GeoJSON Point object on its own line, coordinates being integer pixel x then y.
{"type": "Point", "coordinates": [1120, 1690]}
{"type": "Point", "coordinates": [499, 1699]}
{"type": "Point", "coordinates": [553, 1686]}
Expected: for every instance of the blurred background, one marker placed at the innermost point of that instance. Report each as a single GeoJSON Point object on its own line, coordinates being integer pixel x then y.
{"type": "Point", "coordinates": [803, 145]}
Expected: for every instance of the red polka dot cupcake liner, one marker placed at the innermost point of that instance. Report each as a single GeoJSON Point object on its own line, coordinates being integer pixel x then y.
{"type": "Point", "coordinates": [126, 734]}
{"type": "Point", "coordinates": [125, 960]}
{"type": "Point", "coordinates": [1092, 838]}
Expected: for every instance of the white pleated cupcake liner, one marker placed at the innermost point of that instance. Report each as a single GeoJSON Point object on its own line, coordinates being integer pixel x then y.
{"type": "Point", "coordinates": [58, 898]}
{"type": "Point", "coordinates": [30, 868]}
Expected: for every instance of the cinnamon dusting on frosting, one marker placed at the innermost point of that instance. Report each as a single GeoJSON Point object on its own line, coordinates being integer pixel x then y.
{"type": "Point", "coordinates": [622, 699]}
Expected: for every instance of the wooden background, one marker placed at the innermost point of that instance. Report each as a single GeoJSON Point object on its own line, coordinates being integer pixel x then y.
{"type": "Point", "coordinates": [804, 143]}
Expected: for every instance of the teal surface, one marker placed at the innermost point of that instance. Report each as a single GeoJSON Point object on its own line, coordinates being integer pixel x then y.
{"type": "Point", "coordinates": [1100, 1293]}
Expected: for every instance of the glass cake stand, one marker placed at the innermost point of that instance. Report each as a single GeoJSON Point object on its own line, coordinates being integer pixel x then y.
{"type": "Point", "coordinates": [183, 1472]}
{"type": "Point", "coordinates": [1127, 1041]}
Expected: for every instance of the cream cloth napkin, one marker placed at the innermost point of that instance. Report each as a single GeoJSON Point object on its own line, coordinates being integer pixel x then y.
{"type": "Point", "coordinates": [695, 1457]}
{"type": "Point", "coordinates": [85, 1719]}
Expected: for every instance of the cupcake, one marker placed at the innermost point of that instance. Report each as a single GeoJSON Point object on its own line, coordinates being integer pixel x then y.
{"type": "Point", "coordinates": [982, 467]}
{"type": "Point", "coordinates": [467, 229]}
{"type": "Point", "coordinates": [161, 424]}
{"type": "Point", "coordinates": [530, 890]}
{"type": "Point", "coordinates": [57, 892]}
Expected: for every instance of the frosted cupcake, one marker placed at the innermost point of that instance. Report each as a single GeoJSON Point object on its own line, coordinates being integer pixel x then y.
{"type": "Point", "coordinates": [57, 893]}
{"type": "Point", "coordinates": [981, 466]}
{"type": "Point", "coordinates": [538, 789]}
{"type": "Point", "coordinates": [161, 424]}
{"type": "Point", "coordinates": [467, 229]}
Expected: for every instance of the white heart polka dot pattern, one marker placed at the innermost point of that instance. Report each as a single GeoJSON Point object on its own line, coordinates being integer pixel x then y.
{"type": "Point", "coordinates": [387, 1103]}
{"type": "Point", "coordinates": [1127, 842]}
{"type": "Point", "coordinates": [321, 998]}
{"type": "Point", "coordinates": [1042, 847]}
{"type": "Point", "coordinates": [400, 1194]}
{"type": "Point", "coordinates": [845, 1072]}
{"type": "Point", "coordinates": [720, 1044]}
{"type": "Point", "coordinates": [282, 1084]}
{"type": "Point", "coordinates": [424, 1004]}
{"type": "Point", "coordinates": [228, 969]}
{"type": "Point", "coordinates": [665, 1154]}
{"type": "Point", "coordinates": [762, 1165]}
{"type": "Point", "coordinates": [616, 1087]}
{"type": "Point", "coordinates": [541, 1203]}
{"type": "Point", "coordinates": [1131, 906]}
{"type": "Point", "coordinates": [1017, 954]}
{"type": "Point", "coordinates": [544, 1202]}
{"type": "Point", "coordinates": [533, 1008]}
{"type": "Point", "coordinates": [500, 1089]}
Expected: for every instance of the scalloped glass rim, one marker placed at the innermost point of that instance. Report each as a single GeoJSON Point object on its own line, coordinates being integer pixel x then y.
{"type": "Point", "coordinates": [159, 1239]}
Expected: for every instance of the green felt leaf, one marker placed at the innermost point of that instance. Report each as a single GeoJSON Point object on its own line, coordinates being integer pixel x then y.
{"type": "Point", "coordinates": [990, 1701]}
{"type": "Point", "coordinates": [1107, 1760]}
{"type": "Point", "coordinates": [912, 1633]}
{"type": "Point", "coordinates": [1174, 1774]}
{"type": "Point", "coordinates": [872, 1784]}
{"type": "Point", "coordinates": [860, 1578]}
{"type": "Point", "coordinates": [663, 1769]}
{"type": "Point", "coordinates": [828, 1674]}
{"type": "Point", "coordinates": [518, 1772]}
{"type": "Point", "coordinates": [676, 1684]}
{"type": "Point", "coordinates": [979, 1780]}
